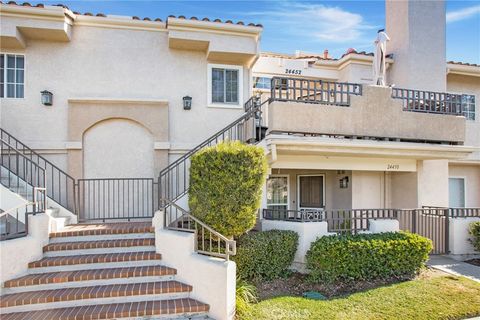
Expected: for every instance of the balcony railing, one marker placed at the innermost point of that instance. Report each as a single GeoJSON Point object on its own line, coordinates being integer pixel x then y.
{"type": "Point", "coordinates": [430, 102]}
{"type": "Point", "coordinates": [313, 91]}
{"type": "Point", "coordinates": [339, 221]}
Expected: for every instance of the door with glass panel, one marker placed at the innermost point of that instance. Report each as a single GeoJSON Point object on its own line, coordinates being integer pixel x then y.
{"type": "Point", "coordinates": [456, 192]}
{"type": "Point", "coordinates": [277, 197]}
{"type": "Point", "coordinates": [311, 195]}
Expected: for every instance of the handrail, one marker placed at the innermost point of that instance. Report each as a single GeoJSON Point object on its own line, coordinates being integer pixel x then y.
{"type": "Point", "coordinates": [204, 234]}
{"type": "Point", "coordinates": [25, 172]}
{"type": "Point", "coordinates": [20, 229]}
{"type": "Point", "coordinates": [60, 185]}
{"type": "Point", "coordinates": [173, 181]}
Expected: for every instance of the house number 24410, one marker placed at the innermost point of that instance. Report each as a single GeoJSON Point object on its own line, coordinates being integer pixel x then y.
{"type": "Point", "coordinates": [393, 166]}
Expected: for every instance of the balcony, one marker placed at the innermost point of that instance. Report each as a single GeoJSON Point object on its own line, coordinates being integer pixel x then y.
{"type": "Point", "coordinates": [317, 107]}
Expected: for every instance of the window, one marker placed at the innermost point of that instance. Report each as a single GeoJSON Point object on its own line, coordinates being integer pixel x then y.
{"type": "Point", "coordinates": [456, 190]}
{"type": "Point", "coordinates": [311, 191]}
{"type": "Point", "coordinates": [468, 106]}
{"type": "Point", "coordinates": [262, 83]}
{"type": "Point", "coordinates": [277, 192]}
{"type": "Point", "coordinates": [12, 73]}
{"type": "Point", "coordinates": [225, 85]}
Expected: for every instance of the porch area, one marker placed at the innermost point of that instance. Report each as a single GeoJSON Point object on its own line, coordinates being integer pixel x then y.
{"type": "Point", "coordinates": [321, 186]}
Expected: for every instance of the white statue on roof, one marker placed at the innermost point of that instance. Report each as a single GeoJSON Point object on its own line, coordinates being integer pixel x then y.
{"type": "Point", "coordinates": [379, 58]}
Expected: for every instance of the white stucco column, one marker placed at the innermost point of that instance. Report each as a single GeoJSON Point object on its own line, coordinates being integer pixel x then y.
{"type": "Point", "coordinates": [432, 183]}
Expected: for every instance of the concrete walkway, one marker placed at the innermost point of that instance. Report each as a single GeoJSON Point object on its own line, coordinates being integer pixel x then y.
{"type": "Point", "coordinates": [455, 267]}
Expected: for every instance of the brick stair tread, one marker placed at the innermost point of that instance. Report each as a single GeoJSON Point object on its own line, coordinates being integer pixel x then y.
{"type": "Point", "coordinates": [95, 258]}
{"type": "Point", "coordinates": [116, 243]}
{"type": "Point", "coordinates": [104, 291]}
{"type": "Point", "coordinates": [84, 275]}
{"type": "Point", "coordinates": [104, 228]}
{"type": "Point", "coordinates": [117, 310]}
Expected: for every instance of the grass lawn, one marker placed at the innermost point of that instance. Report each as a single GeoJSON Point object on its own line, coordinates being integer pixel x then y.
{"type": "Point", "coordinates": [438, 296]}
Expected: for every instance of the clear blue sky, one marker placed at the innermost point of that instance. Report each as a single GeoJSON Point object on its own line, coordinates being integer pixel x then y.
{"type": "Point", "coordinates": [310, 26]}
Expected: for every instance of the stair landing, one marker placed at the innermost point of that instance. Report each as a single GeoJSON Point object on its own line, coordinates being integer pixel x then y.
{"type": "Point", "coordinates": [93, 229]}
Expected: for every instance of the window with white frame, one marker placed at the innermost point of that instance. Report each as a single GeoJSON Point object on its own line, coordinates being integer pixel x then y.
{"type": "Point", "coordinates": [225, 85]}
{"type": "Point", "coordinates": [277, 192]}
{"type": "Point", "coordinates": [12, 75]}
{"type": "Point", "coordinates": [262, 82]}
{"type": "Point", "coordinates": [468, 106]}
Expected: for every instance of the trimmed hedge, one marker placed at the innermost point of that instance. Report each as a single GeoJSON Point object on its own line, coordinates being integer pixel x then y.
{"type": "Point", "coordinates": [367, 256]}
{"type": "Point", "coordinates": [265, 254]}
{"type": "Point", "coordinates": [474, 231]}
{"type": "Point", "coordinates": [226, 186]}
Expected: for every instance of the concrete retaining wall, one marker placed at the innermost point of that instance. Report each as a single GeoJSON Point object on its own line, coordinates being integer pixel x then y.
{"type": "Point", "coordinates": [458, 236]}
{"type": "Point", "coordinates": [213, 279]}
{"type": "Point", "coordinates": [17, 253]}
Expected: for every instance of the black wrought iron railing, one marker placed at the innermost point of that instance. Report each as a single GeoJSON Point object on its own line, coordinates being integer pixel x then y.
{"type": "Point", "coordinates": [429, 101]}
{"type": "Point", "coordinates": [313, 91]}
{"type": "Point", "coordinates": [23, 176]}
{"type": "Point", "coordinates": [14, 222]}
{"type": "Point", "coordinates": [60, 186]}
{"type": "Point", "coordinates": [115, 198]}
{"type": "Point", "coordinates": [173, 181]}
{"type": "Point", "coordinates": [207, 240]}
{"type": "Point", "coordinates": [339, 221]}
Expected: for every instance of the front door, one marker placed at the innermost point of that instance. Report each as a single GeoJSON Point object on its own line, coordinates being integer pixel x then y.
{"type": "Point", "coordinates": [311, 192]}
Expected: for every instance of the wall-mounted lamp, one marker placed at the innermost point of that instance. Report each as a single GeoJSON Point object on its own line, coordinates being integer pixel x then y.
{"type": "Point", "coordinates": [47, 98]}
{"type": "Point", "coordinates": [344, 183]}
{"type": "Point", "coordinates": [187, 103]}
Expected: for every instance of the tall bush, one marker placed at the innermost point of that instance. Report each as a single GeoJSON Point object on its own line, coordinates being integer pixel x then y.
{"type": "Point", "coordinates": [367, 256]}
{"type": "Point", "coordinates": [266, 254]}
{"type": "Point", "coordinates": [226, 185]}
{"type": "Point", "coordinates": [474, 231]}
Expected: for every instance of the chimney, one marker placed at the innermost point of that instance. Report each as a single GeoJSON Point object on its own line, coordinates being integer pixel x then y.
{"type": "Point", "coordinates": [417, 42]}
{"type": "Point", "coordinates": [325, 54]}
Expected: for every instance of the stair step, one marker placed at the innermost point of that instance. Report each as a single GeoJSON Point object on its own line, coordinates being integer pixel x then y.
{"type": "Point", "coordinates": [169, 308]}
{"type": "Point", "coordinates": [95, 258]}
{"type": "Point", "coordinates": [88, 275]}
{"type": "Point", "coordinates": [100, 244]}
{"type": "Point", "coordinates": [103, 229]}
{"type": "Point", "coordinates": [89, 293]}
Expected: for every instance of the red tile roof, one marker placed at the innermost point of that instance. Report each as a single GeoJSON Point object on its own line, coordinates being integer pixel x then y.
{"type": "Point", "coordinates": [40, 5]}
{"type": "Point", "coordinates": [464, 63]}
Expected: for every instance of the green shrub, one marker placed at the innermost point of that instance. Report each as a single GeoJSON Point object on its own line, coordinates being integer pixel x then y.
{"type": "Point", "coordinates": [266, 254]}
{"type": "Point", "coordinates": [226, 186]}
{"type": "Point", "coordinates": [245, 296]}
{"type": "Point", "coordinates": [367, 256]}
{"type": "Point", "coordinates": [474, 231]}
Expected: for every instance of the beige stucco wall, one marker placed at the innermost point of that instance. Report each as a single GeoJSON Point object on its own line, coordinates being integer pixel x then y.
{"type": "Point", "coordinates": [374, 113]}
{"type": "Point", "coordinates": [468, 85]}
{"type": "Point", "coordinates": [403, 190]}
{"type": "Point", "coordinates": [432, 183]}
{"type": "Point", "coordinates": [471, 173]}
{"type": "Point", "coordinates": [417, 42]}
{"type": "Point", "coordinates": [118, 148]}
{"type": "Point", "coordinates": [368, 189]}
{"type": "Point", "coordinates": [113, 63]}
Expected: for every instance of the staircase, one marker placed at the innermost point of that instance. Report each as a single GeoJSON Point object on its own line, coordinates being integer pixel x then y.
{"type": "Point", "coordinates": [100, 271]}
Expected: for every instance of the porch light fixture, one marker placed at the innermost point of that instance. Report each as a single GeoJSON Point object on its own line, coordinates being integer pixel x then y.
{"type": "Point", "coordinates": [187, 103]}
{"type": "Point", "coordinates": [47, 98]}
{"type": "Point", "coordinates": [344, 183]}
